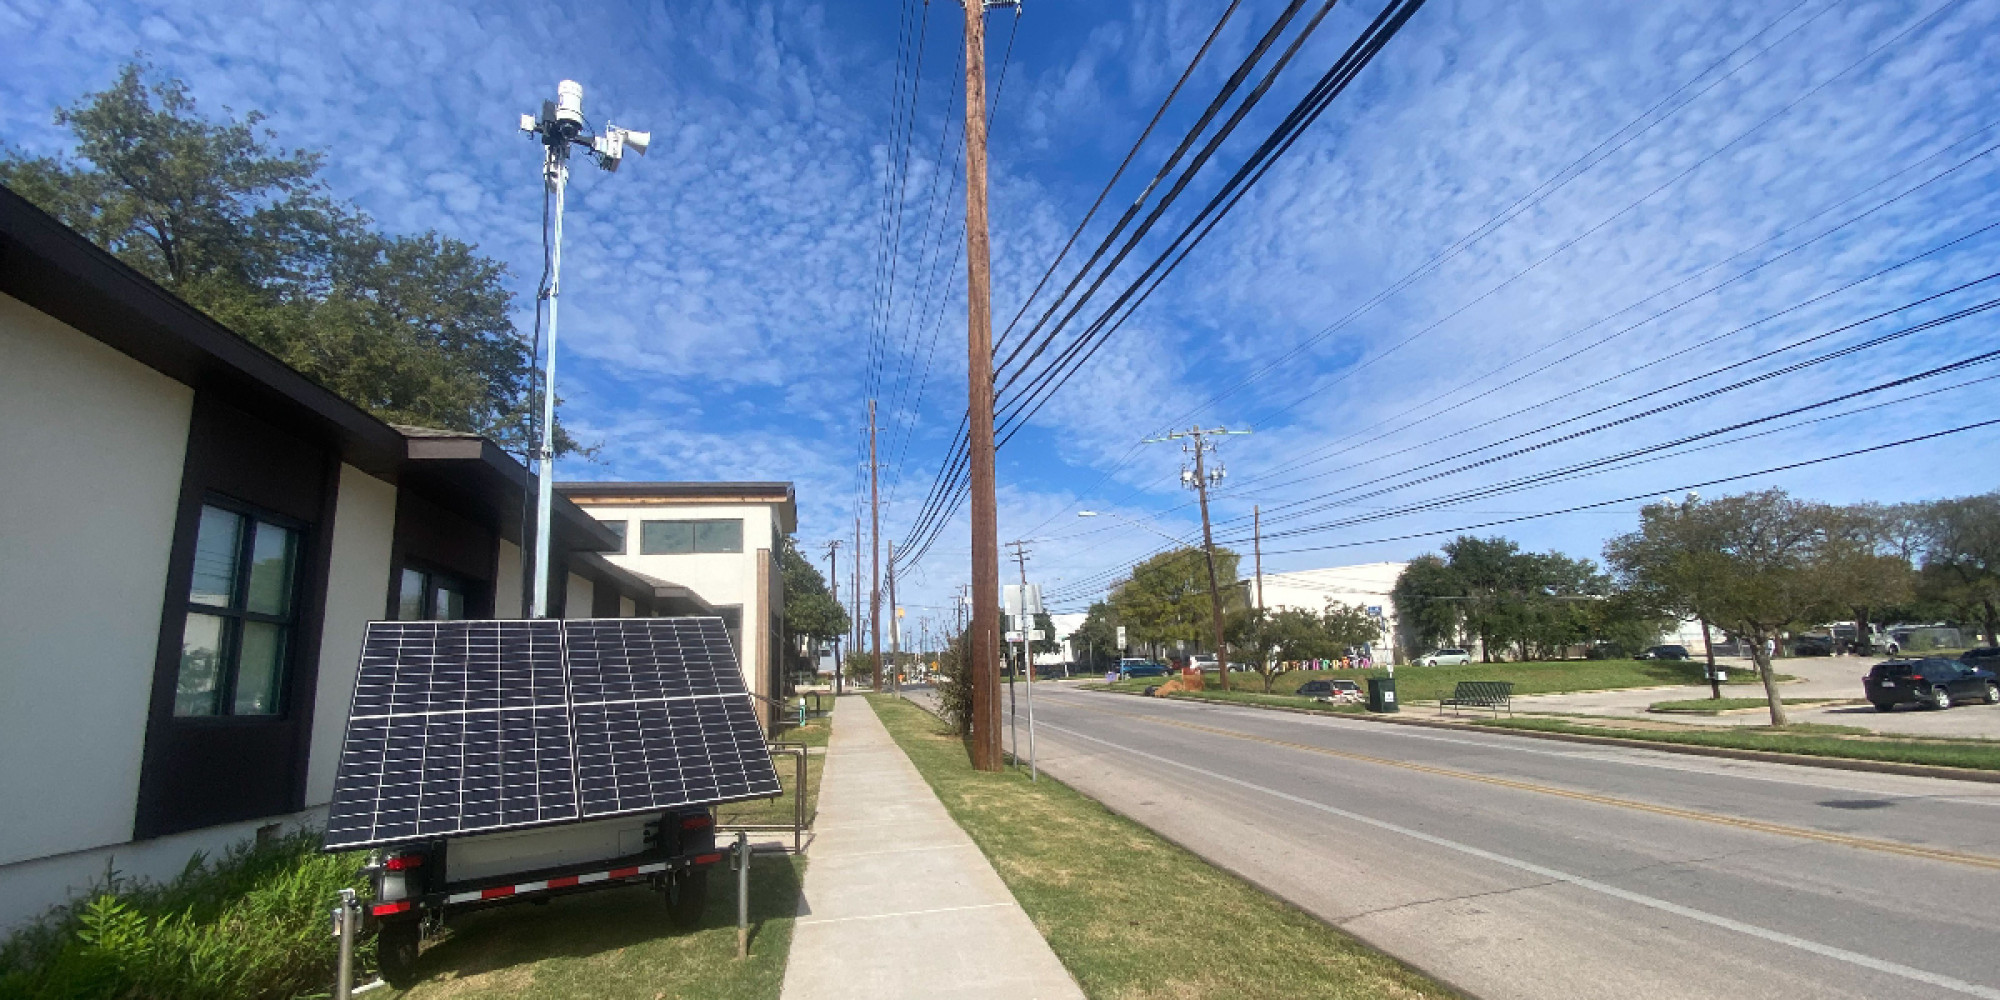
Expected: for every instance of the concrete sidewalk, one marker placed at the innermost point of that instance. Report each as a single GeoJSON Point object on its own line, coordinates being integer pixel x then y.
{"type": "Point", "coordinates": [898, 901]}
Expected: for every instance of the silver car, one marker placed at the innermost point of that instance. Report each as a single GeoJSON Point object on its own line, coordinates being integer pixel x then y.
{"type": "Point", "coordinates": [1445, 658]}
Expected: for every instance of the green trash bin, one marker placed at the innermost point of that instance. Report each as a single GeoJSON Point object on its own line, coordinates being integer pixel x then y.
{"type": "Point", "coordinates": [1381, 694]}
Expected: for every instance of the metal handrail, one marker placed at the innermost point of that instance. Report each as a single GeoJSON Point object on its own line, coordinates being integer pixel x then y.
{"type": "Point", "coordinates": [798, 751]}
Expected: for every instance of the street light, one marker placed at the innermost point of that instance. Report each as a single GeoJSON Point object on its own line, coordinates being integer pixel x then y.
{"type": "Point", "coordinates": [1127, 520]}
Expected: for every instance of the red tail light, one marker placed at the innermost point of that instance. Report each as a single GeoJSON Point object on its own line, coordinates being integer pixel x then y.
{"type": "Point", "coordinates": [708, 859]}
{"type": "Point", "coordinates": [389, 909]}
{"type": "Point", "coordinates": [697, 822]}
{"type": "Point", "coordinates": [404, 862]}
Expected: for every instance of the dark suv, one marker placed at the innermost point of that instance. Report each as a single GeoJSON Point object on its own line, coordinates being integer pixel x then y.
{"type": "Point", "coordinates": [1932, 682]}
{"type": "Point", "coordinates": [1984, 656]}
{"type": "Point", "coordinates": [1665, 653]}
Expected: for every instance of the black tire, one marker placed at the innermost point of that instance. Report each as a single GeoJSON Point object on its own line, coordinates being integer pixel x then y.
{"type": "Point", "coordinates": [687, 897]}
{"type": "Point", "coordinates": [1940, 698]}
{"type": "Point", "coordinates": [1881, 707]}
{"type": "Point", "coordinates": [396, 946]}
{"type": "Point", "coordinates": [1992, 693]}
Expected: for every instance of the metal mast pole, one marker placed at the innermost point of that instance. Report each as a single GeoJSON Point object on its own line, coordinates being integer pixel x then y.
{"type": "Point", "coordinates": [555, 173]}
{"type": "Point", "coordinates": [985, 639]}
{"type": "Point", "coordinates": [1208, 550]}
{"type": "Point", "coordinates": [875, 560]}
{"type": "Point", "coordinates": [1028, 659]}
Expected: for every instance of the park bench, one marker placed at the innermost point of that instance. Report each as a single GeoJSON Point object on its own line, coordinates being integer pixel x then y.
{"type": "Point", "coordinates": [1495, 695]}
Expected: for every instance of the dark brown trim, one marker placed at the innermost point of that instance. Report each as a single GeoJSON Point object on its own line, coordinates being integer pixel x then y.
{"type": "Point", "coordinates": [206, 771]}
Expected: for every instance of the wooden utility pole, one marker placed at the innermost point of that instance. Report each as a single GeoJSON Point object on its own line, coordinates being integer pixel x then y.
{"type": "Point", "coordinates": [1197, 442]}
{"type": "Point", "coordinates": [875, 543]}
{"type": "Point", "coordinates": [985, 638]}
{"type": "Point", "coordinates": [833, 580]}
{"type": "Point", "coordinates": [855, 646]}
{"type": "Point", "coordinates": [1257, 551]}
{"type": "Point", "coordinates": [895, 630]}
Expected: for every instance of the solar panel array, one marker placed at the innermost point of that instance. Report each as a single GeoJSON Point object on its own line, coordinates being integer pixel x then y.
{"type": "Point", "coordinates": [467, 726]}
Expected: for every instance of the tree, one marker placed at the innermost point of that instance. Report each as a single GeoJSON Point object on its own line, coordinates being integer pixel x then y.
{"type": "Point", "coordinates": [811, 613]}
{"type": "Point", "coordinates": [1049, 642]}
{"type": "Point", "coordinates": [414, 329]}
{"type": "Point", "coordinates": [1098, 636]}
{"type": "Point", "coordinates": [1166, 597]}
{"type": "Point", "coordinates": [1274, 636]}
{"type": "Point", "coordinates": [1869, 551]}
{"type": "Point", "coordinates": [1759, 564]}
{"type": "Point", "coordinates": [1426, 597]}
{"type": "Point", "coordinates": [1962, 558]}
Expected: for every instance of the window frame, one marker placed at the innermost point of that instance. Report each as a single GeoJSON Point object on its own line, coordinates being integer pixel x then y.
{"type": "Point", "coordinates": [427, 601]}
{"type": "Point", "coordinates": [692, 528]}
{"type": "Point", "coordinates": [237, 612]}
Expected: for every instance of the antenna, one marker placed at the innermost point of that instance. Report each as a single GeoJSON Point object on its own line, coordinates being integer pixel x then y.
{"type": "Point", "coordinates": [559, 126]}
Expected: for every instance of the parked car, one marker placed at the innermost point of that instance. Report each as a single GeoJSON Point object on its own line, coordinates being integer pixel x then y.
{"type": "Point", "coordinates": [1445, 658]}
{"type": "Point", "coordinates": [1933, 682]}
{"type": "Point", "coordinates": [1141, 668]}
{"type": "Point", "coordinates": [1206, 661]}
{"type": "Point", "coordinates": [1985, 656]}
{"type": "Point", "coordinates": [1665, 653]}
{"type": "Point", "coordinates": [1330, 690]}
{"type": "Point", "coordinates": [1812, 645]}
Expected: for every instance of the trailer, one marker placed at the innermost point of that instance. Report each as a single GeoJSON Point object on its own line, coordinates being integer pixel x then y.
{"type": "Point", "coordinates": [488, 763]}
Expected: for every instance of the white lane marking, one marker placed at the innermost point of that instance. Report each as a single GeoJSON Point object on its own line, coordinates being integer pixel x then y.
{"type": "Point", "coordinates": [1513, 745]}
{"type": "Point", "coordinates": [802, 921]}
{"type": "Point", "coordinates": [1702, 916]}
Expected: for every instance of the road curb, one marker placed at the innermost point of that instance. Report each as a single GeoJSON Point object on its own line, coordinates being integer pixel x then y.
{"type": "Point", "coordinates": [1730, 753]}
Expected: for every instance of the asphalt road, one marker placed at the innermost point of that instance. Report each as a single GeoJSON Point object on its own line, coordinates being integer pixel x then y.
{"type": "Point", "coordinates": [1513, 867]}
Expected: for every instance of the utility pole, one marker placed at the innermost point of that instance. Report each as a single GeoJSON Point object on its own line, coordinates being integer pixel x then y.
{"type": "Point", "coordinates": [1199, 479]}
{"type": "Point", "coordinates": [985, 638]}
{"type": "Point", "coordinates": [1027, 659]}
{"type": "Point", "coordinates": [895, 629]}
{"type": "Point", "coordinates": [875, 542]}
{"type": "Point", "coordinates": [1257, 568]}
{"type": "Point", "coordinates": [855, 646]}
{"type": "Point", "coordinates": [833, 579]}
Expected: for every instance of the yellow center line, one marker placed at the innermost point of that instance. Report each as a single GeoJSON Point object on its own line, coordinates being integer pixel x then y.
{"type": "Point", "coordinates": [1759, 826]}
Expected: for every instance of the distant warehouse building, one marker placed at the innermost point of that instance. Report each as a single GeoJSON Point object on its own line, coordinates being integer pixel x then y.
{"type": "Point", "coordinates": [1366, 585]}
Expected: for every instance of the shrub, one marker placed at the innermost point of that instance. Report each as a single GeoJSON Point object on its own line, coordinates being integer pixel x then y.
{"type": "Point", "coordinates": [251, 925]}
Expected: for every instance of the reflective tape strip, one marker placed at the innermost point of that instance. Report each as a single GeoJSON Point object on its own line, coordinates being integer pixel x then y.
{"type": "Point", "coordinates": [564, 882]}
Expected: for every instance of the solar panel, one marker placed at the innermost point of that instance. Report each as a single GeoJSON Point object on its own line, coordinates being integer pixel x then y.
{"type": "Point", "coordinates": [469, 726]}
{"type": "Point", "coordinates": [455, 727]}
{"type": "Point", "coordinates": [662, 717]}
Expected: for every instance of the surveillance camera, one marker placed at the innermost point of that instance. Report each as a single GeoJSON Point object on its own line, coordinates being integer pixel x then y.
{"type": "Point", "coordinates": [569, 105]}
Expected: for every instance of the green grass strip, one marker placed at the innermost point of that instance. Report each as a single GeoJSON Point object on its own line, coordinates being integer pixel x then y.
{"type": "Point", "coordinates": [1131, 915]}
{"type": "Point", "coordinates": [1984, 756]}
{"type": "Point", "coordinates": [1716, 706]}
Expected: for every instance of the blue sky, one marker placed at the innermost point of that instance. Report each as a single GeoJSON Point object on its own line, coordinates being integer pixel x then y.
{"type": "Point", "coordinates": [723, 305]}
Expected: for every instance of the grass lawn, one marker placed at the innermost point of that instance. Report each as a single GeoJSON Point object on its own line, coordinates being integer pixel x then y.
{"type": "Point", "coordinates": [1818, 741]}
{"type": "Point", "coordinates": [1432, 683]}
{"type": "Point", "coordinates": [619, 944]}
{"type": "Point", "coordinates": [1717, 706]}
{"type": "Point", "coordinates": [1098, 886]}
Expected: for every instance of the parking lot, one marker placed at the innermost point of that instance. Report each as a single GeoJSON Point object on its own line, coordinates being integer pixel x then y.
{"type": "Point", "coordinates": [1832, 677]}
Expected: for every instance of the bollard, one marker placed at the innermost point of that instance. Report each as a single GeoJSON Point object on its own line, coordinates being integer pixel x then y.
{"type": "Point", "coordinates": [343, 928]}
{"type": "Point", "coordinates": [742, 894]}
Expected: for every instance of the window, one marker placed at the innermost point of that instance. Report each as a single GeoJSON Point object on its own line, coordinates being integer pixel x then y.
{"type": "Point", "coordinates": [676, 537]}
{"type": "Point", "coordinates": [240, 617]}
{"type": "Point", "coordinates": [425, 596]}
{"type": "Point", "coordinates": [617, 528]}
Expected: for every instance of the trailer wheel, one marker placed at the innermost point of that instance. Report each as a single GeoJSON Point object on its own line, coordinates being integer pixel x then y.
{"type": "Point", "coordinates": [687, 896]}
{"type": "Point", "coordinates": [396, 951]}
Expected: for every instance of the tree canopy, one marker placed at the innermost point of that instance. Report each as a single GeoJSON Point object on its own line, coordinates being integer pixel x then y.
{"type": "Point", "coordinates": [810, 610]}
{"type": "Point", "coordinates": [414, 329]}
{"type": "Point", "coordinates": [1487, 588]}
{"type": "Point", "coordinates": [1166, 598]}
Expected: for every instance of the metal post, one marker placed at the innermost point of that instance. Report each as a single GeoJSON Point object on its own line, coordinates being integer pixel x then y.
{"type": "Point", "coordinates": [556, 170]}
{"type": "Point", "coordinates": [742, 894]}
{"type": "Point", "coordinates": [343, 928]}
